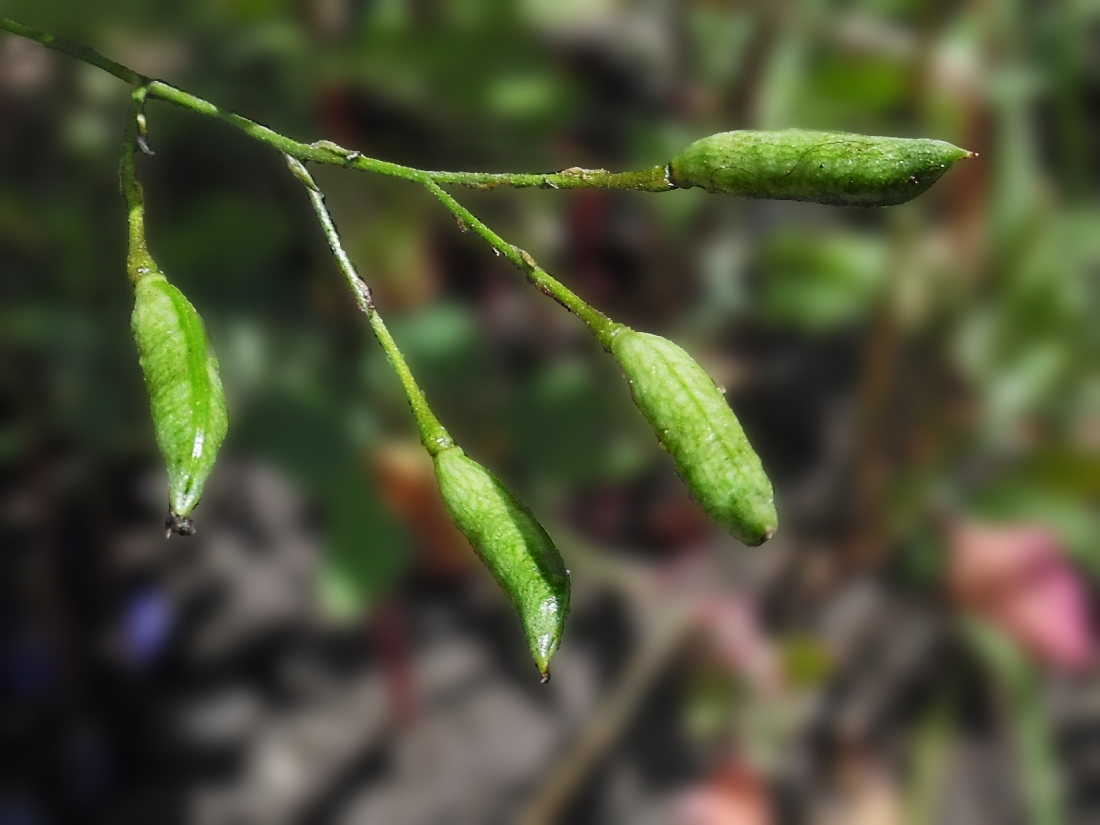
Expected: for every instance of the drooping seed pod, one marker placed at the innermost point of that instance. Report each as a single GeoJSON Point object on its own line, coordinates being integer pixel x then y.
{"type": "Point", "coordinates": [695, 424]}
{"type": "Point", "coordinates": [513, 545]}
{"type": "Point", "coordinates": [826, 167]}
{"type": "Point", "coordinates": [185, 391]}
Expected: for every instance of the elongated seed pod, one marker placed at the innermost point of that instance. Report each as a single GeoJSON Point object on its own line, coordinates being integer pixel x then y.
{"type": "Point", "coordinates": [827, 167]}
{"type": "Point", "coordinates": [513, 545]}
{"type": "Point", "coordinates": [185, 391]}
{"type": "Point", "coordinates": [696, 425]}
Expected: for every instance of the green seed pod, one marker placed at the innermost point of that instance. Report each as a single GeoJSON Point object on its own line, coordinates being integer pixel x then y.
{"type": "Point", "coordinates": [697, 427]}
{"type": "Point", "coordinates": [826, 167]}
{"type": "Point", "coordinates": [513, 545]}
{"type": "Point", "coordinates": [185, 391]}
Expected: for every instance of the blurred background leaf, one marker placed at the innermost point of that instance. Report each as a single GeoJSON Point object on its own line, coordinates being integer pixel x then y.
{"type": "Point", "coordinates": [901, 372]}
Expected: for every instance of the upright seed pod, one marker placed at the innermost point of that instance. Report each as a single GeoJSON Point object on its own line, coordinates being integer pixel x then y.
{"type": "Point", "coordinates": [185, 391]}
{"type": "Point", "coordinates": [826, 167]}
{"type": "Point", "coordinates": [696, 425]}
{"type": "Point", "coordinates": [512, 544]}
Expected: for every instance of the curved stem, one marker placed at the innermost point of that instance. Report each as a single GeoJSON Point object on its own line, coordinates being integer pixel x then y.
{"type": "Point", "coordinates": [73, 49]}
{"type": "Point", "coordinates": [654, 179]}
{"type": "Point", "coordinates": [432, 433]}
{"type": "Point", "coordinates": [138, 261]}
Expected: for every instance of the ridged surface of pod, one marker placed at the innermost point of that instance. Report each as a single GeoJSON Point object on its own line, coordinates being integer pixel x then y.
{"type": "Point", "coordinates": [826, 167]}
{"type": "Point", "coordinates": [185, 390]}
{"type": "Point", "coordinates": [513, 545]}
{"type": "Point", "coordinates": [695, 424]}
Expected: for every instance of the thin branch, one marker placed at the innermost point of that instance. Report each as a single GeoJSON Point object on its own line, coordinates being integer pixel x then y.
{"type": "Point", "coordinates": [602, 326]}
{"type": "Point", "coordinates": [138, 261]}
{"type": "Point", "coordinates": [432, 433]}
{"type": "Point", "coordinates": [73, 49]}
{"type": "Point", "coordinates": [654, 179]}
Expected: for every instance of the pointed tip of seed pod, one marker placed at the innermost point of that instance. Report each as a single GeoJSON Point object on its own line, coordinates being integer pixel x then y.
{"type": "Point", "coordinates": [958, 153]}
{"type": "Point", "coordinates": [180, 525]}
{"type": "Point", "coordinates": [758, 539]}
{"type": "Point", "coordinates": [545, 673]}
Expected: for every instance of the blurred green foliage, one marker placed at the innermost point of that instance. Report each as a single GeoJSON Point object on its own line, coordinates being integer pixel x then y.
{"type": "Point", "coordinates": [893, 367]}
{"type": "Point", "coordinates": [987, 286]}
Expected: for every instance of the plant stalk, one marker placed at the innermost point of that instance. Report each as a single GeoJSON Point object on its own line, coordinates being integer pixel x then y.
{"type": "Point", "coordinates": [602, 326]}
{"type": "Point", "coordinates": [654, 179]}
{"type": "Point", "coordinates": [138, 261]}
{"type": "Point", "coordinates": [432, 432]}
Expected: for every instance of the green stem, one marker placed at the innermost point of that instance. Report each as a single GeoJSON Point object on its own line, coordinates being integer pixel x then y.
{"type": "Point", "coordinates": [432, 433]}
{"type": "Point", "coordinates": [654, 179]}
{"type": "Point", "coordinates": [322, 151]}
{"type": "Point", "coordinates": [77, 50]}
{"type": "Point", "coordinates": [138, 261]}
{"type": "Point", "coordinates": [602, 326]}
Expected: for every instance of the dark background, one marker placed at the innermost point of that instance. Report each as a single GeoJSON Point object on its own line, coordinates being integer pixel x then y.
{"type": "Point", "coordinates": [921, 382]}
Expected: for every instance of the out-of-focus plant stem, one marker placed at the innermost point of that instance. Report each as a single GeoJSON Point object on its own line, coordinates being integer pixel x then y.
{"type": "Point", "coordinates": [1021, 705]}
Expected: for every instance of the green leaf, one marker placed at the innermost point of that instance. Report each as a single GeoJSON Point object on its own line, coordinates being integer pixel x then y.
{"type": "Point", "coordinates": [819, 283]}
{"type": "Point", "coordinates": [365, 549]}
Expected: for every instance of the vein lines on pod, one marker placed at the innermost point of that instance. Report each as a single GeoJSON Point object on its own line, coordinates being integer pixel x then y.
{"type": "Point", "coordinates": [502, 530]}
{"type": "Point", "coordinates": [826, 167]}
{"type": "Point", "coordinates": [181, 371]}
{"type": "Point", "coordinates": [694, 422]}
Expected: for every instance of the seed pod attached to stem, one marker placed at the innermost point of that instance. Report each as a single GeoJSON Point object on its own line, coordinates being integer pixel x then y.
{"type": "Point", "coordinates": [513, 545]}
{"type": "Point", "coordinates": [502, 530]}
{"type": "Point", "coordinates": [680, 401]}
{"type": "Point", "coordinates": [185, 391]}
{"type": "Point", "coordinates": [826, 167]}
{"type": "Point", "coordinates": [181, 371]}
{"type": "Point", "coordinates": [694, 422]}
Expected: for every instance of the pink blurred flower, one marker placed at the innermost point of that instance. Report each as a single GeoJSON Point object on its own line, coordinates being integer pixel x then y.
{"type": "Point", "coordinates": [732, 795]}
{"type": "Point", "coordinates": [739, 641]}
{"type": "Point", "coordinates": [1017, 578]}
